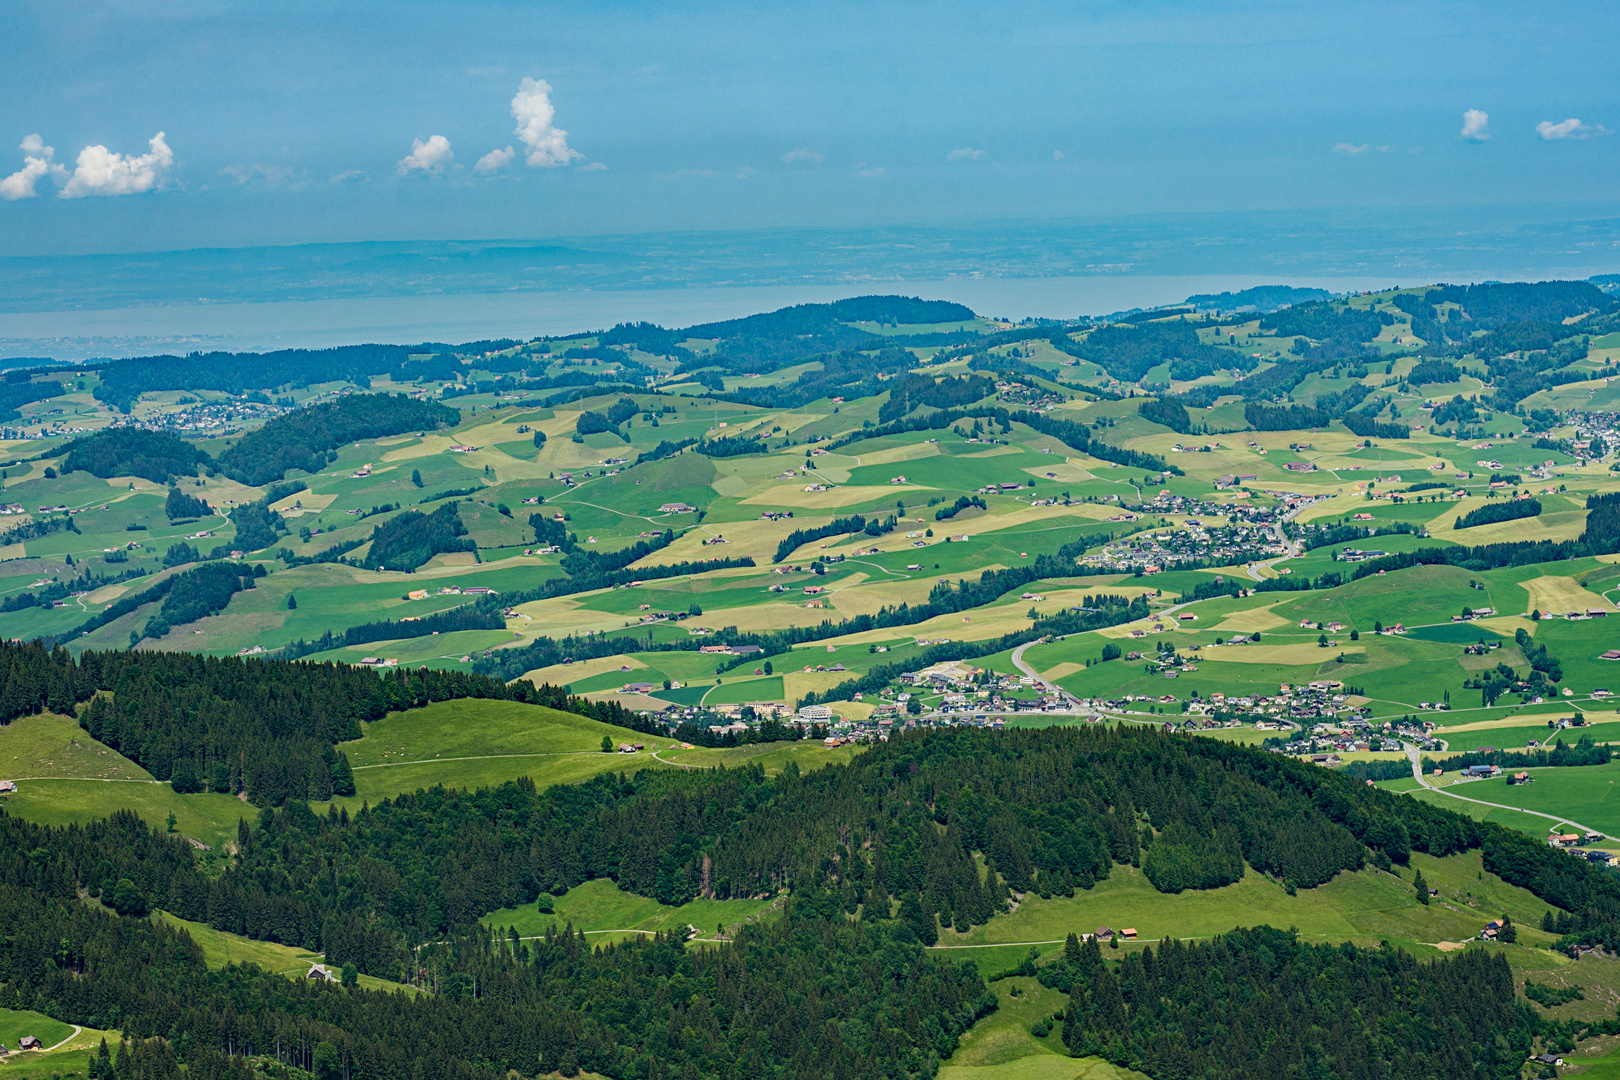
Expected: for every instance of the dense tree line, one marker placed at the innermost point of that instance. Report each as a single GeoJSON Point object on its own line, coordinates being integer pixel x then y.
{"type": "Point", "coordinates": [126, 451]}
{"type": "Point", "coordinates": [89, 581]}
{"type": "Point", "coordinates": [914, 391]}
{"type": "Point", "coordinates": [123, 381]}
{"type": "Point", "coordinates": [1493, 512]}
{"type": "Point", "coordinates": [154, 455]}
{"type": "Point", "coordinates": [1582, 752]}
{"type": "Point", "coordinates": [18, 389]}
{"type": "Point", "coordinates": [1344, 533]}
{"type": "Point", "coordinates": [1428, 372]}
{"type": "Point", "coordinates": [201, 592]}
{"type": "Point", "coordinates": [303, 439]}
{"type": "Point", "coordinates": [963, 502]}
{"type": "Point", "coordinates": [1333, 332]}
{"type": "Point", "coordinates": [1261, 1002]}
{"type": "Point", "coordinates": [726, 446]}
{"type": "Point", "coordinates": [1600, 537]}
{"type": "Point", "coordinates": [800, 537]}
{"type": "Point", "coordinates": [466, 617]}
{"type": "Point", "coordinates": [894, 831]}
{"type": "Point", "coordinates": [1128, 352]}
{"type": "Point", "coordinates": [1076, 436]}
{"type": "Point", "coordinates": [1172, 414]}
{"type": "Point", "coordinates": [1365, 424]}
{"type": "Point", "coordinates": [1050, 812]}
{"type": "Point", "coordinates": [270, 724]}
{"type": "Point", "coordinates": [592, 423]}
{"type": "Point", "coordinates": [179, 506]}
{"type": "Point", "coordinates": [406, 541]}
{"type": "Point", "coordinates": [804, 995]}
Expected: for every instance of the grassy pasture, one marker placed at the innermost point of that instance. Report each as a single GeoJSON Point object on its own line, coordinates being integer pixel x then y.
{"type": "Point", "coordinates": [1365, 906]}
{"type": "Point", "coordinates": [607, 913]}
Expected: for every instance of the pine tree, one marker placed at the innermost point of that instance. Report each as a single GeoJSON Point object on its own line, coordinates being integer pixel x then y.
{"type": "Point", "coordinates": [1420, 886]}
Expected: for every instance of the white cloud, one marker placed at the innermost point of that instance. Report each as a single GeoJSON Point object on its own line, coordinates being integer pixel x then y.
{"type": "Point", "coordinates": [547, 143]}
{"type": "Point", "coordinates": [802, 156]}
{"type": "Point", "coordinates": [1473, 128]}
{"type": "Point", "coordinates": [1057, 155]}
{"type": "Point", "coordinates": [1351, 149]}
{"type": "Point", "coordinates": [430, 157]}
{"type": "Point", "coordinates": [862, 169]}
{"type": "Point", "coordinates": [964, 153]}
{"type": "Point", "coordinates": [1569, 129]}
{"type": "Point", "coordinates": [595, 166]}
{"type": "Point", "coordinates": [102, 172]}
{"type": "Point", "coordinates": [495, 161]}
{"type": "Point", "coordinates": [349, 176]}
{"type": "Point", "coordinates": [36, 163]}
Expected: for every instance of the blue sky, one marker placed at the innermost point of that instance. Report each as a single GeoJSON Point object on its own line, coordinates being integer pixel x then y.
{"type": "Point", "coordinates": [294, 122]}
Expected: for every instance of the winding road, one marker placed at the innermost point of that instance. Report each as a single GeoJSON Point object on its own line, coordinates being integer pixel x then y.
{"type": "Point", "coordinates": [1417, 774]}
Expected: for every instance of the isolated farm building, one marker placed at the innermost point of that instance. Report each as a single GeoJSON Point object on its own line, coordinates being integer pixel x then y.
{"type": "Point", "coordinates": [676, 508]}
{"type": "Point", "coordinates": [318, 973]}
{"type": "Point", "coordinates": [7, 786]}
{"type": "Point", "coordinates": [29, 1042]}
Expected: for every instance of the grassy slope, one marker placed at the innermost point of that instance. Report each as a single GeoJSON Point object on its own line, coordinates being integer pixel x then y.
{"type": "Point", "coordinates": [65, 776]}
{"type": "Point", "coordinates": [1000, 1046]}
{"type": "Point", "coordinates": [607, 913]}
{"type": "Point", "coordinates": [1366, 906]}
{"type": "Point", "coordinates": [221, 948]}
{"type": "Point", "coordinates": [477, 743]}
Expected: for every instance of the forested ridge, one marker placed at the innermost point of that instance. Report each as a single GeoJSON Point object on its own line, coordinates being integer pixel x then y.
{"type": "Point", "coordinates": [263, 727]}
{"type": "Point", "coordinates": [127, 451]}
{"type": "Point", "coordinates": [302, 439]}
{"type": "Point", "coordinates": [840, 985]}
{"type": "Point", "coordinates": [1050, 812]}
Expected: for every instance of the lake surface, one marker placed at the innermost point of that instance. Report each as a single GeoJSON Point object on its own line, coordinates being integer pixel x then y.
{"type": "Point", "coordinates": [121, 304]}
{"type": "Point", "coordinates": [181, 328]}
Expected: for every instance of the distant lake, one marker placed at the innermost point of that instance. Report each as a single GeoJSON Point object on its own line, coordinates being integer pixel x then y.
{"type": "Point", "coordinates": [119, 304]}
{"type": "Point", "coordinates": [181, 328]}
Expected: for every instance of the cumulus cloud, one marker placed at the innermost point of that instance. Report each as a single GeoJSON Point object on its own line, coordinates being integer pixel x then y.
{"type": "Point", "coordinates": [1569, 129]}
{"type": "Point", "coordinates": [1351, 149]}
{"type": "Point", "coordinates": [101, 172]}
{"type": "Point", "coordinates": [349, 176]}
{"type": "Point", "coordinates": [1057, 155]}
{"type": "Point", "coordinates": [547, 143]}
{"type": "Point", "coordinates": [495, 161]}
{"type": "Point", "coordinates": [430, 157]}
{"type": "Point", "coordinates": [595, 166]}
{"type": "Point", "coordinates": [964, 153]}
{"type": "Point", "coordinates": [36, 163]}
{"type": "Point", "coordinates": [863, 169]}
{"type": "Point", "coordinates": [802, 156]}
{"type": "Point", "coordinates": [1473, 128]}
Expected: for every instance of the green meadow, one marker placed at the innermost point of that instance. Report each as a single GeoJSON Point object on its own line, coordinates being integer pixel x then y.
{"type": "Point", "coordinates": [606, 913]}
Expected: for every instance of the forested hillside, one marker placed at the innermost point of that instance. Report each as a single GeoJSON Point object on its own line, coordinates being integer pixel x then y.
{"type": "Point", "coordinates": [815, 986]}
{"type": "Point", "coordinates": [302, 439]}
{"type": "Point", "coordinates": [151, 455]}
